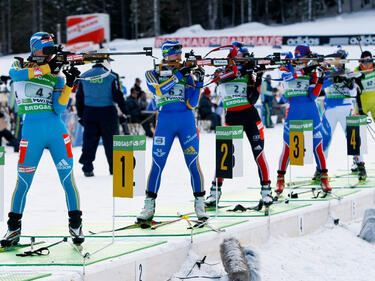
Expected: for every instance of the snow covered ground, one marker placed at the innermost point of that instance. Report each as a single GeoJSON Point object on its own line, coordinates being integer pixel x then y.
{"type": "Point", "coordinates": [332, 253]}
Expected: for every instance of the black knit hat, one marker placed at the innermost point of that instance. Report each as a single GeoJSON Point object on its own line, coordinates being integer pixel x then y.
{"type": "Point", "coordinates": [366, 54]}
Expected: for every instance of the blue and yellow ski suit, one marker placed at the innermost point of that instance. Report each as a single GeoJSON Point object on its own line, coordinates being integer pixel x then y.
{"type": "Point", "coordinates": [176, 96]}
{"type": "Point", "coordinates": [42, 97]}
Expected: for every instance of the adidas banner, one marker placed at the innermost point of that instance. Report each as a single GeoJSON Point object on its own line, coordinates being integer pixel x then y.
{"type": "Point", "coordinates": [332, 40]}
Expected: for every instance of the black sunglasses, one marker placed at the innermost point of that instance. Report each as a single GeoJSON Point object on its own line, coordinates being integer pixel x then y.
{"type": "Point", "coordinates": [48, 36]}
{"type": "Point", "coordinates": [366, 60]}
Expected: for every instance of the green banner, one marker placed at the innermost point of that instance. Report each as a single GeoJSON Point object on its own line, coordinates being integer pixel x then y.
{"type": "Point", "coordinates": [129, 143]}
{"type": "Point", "coordinates": [357, 120]}
{"type": "Point", "coordinates": [301, 125]}
{"type": "Point", "coordinates": [2, 156]}
{"type": "Point", "coordinates": [229, 132]}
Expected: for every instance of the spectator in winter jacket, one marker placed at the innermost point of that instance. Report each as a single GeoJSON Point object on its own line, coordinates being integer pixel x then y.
{"type": "Point", "coordinates": [137, 86]}
{"type": "Point", "coordinates": [142, 100]}
{"type": "Point", "coordinates": [278, 107]}
{"type": "Point", "coordinates": [96, 110]}
{"type": "Point", "coordinates": [205, 110]}
{"type": "Point", "coordinates": [266, 97]}
{"type": "Point", "coordinates": [135, 112]}
{"type": "Point", "coordinates": [4, 132]}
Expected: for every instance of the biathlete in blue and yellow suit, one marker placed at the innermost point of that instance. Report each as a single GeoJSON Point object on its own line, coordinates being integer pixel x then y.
{"type": "Point", "coordinates": [302, 88]}
{"type": "Point", "coordinates": [176, 94]}
{"type": "Point", "coordinates": [42, 96]}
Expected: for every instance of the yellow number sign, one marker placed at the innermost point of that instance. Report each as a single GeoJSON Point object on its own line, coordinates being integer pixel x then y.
{"type": "Point", "coordinates": [296, 147]}
{"type": "Point", "coordinates": [123, 163]}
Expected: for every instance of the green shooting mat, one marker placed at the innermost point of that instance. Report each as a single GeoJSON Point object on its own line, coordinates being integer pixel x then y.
{"type": "Point", "coordinates": [22, 276]}
{"type": "Point", "coordinates": [242, 196]}
{"type": "Point", "coordinates": [64, 254]}
{"type": "Point", "coordinates": [223, 211]}
{"type": "Point", "coordinates": [178, 228]}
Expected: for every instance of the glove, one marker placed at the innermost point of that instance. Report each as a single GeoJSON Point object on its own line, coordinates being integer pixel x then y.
{"type": "Point", "coordinates": [55, 65]}
{"type": "Point", "coordinates": [123, 118]}
{"type": "Point", "coordinates": [185, 70]}
{"type": "Point", "coordinates": [247, 69]}
{"type": "Point", "coordinates": [308, 69]}
{"type": "Point", "coordinates": [258, 80]}
{"type": "Point", "coordinates": [320, 74]}
{"type": "Point", "coordinates": [338, 79]}
{"type": "Point", "coordinates": [71, 75]}
{"type": "Point", "coordinates": [199, 74]}
{"type": "Point", "coordinates": [289, 56]}
{"type": "Point", "coordinates": [252, 95]}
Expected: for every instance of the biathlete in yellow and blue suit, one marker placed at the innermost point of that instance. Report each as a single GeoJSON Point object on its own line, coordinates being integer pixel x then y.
{"type": "Point", "coordinates": [176, 94]}
{"type": "Point", "coordinates": [42, 96]}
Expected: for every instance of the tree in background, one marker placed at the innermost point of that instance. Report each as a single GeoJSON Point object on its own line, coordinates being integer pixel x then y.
{"type": "Point", "coordinates": [146, 18]}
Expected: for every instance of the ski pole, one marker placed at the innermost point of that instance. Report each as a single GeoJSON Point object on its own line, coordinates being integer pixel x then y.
{"type": "Point", "coordinates": [359, 42]}
{"type": "Point", "coordinates": [43, 251]}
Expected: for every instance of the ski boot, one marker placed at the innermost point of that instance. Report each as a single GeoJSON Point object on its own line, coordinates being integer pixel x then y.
{"type": "Point", "coordinates": [362, 175]}
{"type": "Point", "coordinates": [266, 194]}
{"type": "Point", "coordinates": [324, 181]}
{"type": "Point", "coordinates": [89, 174]}
{"type": "Point", "coordinates": [148, 211]}
{"type": "Point", "coordinates": [280, 182]}
{"type": "Point", "coordinates": [317, 176]}
{"type": "Point", "coordinates": [75, 227]}
{"type": "Point", "coordinates": [211, 199]}
{"type": "Point", "coordinates": [12, 237]}
{"type": "Point", "coordinates": [199, 207]}
{"type": "Point", "coordinates": [354, 167]}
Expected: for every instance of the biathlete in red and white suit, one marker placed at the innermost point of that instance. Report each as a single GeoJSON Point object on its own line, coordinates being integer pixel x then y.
{"type": "Point", "coordinates": [239, 95]}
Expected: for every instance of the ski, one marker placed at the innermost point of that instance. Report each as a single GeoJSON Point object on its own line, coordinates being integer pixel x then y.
{"type": "Point", "coordinates": [299, 183]}
{"type": "Point", "coordinates": [241, 208]}
{"type": "Point", "coordinates": [163, 223]}
{"type": "Point", "coordinates": [19, 246]}
{"type": "Point", "coordinates": [324, 194]}
{"type": "Point", "coordinates": [143, 224]}
{"type": "Point", "coordinates": [213, 208]}
{"type": "Point", "coordinates": [276, 200]}
{"type": "Point", "coordinates": [205, 223]}
{"type": "Point", "coordinates": [259, 206]}
{"type": "Point", "coordinates": [197, 224]}
{"type": "Point", "coordinates": [295, 195]}
{"type": "Point", "coordinates": [357, 184]}
{"type": "Point", "coordinates": [80, 250]}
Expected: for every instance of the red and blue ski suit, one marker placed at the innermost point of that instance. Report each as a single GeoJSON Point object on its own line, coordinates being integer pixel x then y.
{"type": "Point", "coordinates": [302, 90]}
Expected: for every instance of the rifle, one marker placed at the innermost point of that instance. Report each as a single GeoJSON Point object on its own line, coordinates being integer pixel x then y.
{"type": "Point", "coordinates": [73, 59]}
{"type": "Point", "coordinates": [70, 59]}
{"type": "Point", "coordinates": [191, 60]}
{"type": "Point", "coordinates": [4, 79]}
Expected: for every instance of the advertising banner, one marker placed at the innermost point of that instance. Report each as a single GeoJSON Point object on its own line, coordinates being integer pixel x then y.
{"type": "Point", "coordinates": [88, 28]}
{"type": "Point", "coordinates": [270, 40]}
